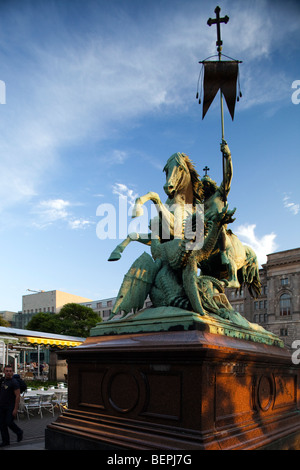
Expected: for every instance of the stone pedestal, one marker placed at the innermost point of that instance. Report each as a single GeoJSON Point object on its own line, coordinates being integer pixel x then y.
{"type": "Point", "coordinates": [178, 390]}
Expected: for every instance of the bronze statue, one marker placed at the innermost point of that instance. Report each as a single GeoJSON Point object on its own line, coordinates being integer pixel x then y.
{"type": "Point", "coordinates": [170, 275]}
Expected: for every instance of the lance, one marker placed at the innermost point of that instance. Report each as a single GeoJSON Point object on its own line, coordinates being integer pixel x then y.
{"type": "Point", "coordinates": [221, 75]}
{"type": "Point", "coordinates": [219, 43]}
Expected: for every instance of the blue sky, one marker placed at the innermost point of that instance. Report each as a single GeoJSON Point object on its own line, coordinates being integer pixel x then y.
{"type": "Point", "coordinates": [98, 94]}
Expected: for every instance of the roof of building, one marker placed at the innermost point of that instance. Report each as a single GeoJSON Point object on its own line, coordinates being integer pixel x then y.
{"type": "Point", "coordinates": [40, 337]}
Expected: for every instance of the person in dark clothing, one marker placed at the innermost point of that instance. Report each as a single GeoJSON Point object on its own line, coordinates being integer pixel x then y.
{"type": "Point", "coordinates": [9, 404]}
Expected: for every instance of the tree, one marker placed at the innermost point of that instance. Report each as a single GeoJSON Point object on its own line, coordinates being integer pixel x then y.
{"type": "Point", "coordinates": [72, 320]}
{"type": "Point", "coordinates": [4, 322]}
{"type": "Point", "coordinates": [77, 320]}
{"type": "Point", "coordinates": [46, 322]}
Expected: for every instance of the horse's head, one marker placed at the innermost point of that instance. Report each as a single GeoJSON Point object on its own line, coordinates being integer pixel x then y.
{"type": "Point", "coordinates": [177, 174]}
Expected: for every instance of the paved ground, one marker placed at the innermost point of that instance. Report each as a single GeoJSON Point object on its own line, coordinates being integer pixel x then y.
{"type": "Point", "coordinates": [34, 432]}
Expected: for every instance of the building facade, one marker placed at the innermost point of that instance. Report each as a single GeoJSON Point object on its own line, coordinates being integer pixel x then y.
{"type": "Point", "coordinates": [278, 307]}
{"type": "Point", "coordinates": [49, 301]}
{"type": "Point", "coordinates": [104, 307]}
{"type": "Point", "coordinates": [8, 315]}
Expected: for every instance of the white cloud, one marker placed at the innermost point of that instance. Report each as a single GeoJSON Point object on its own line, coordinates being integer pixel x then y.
{"type": "Point", "coordinates": [119, 156]}
{"type": "Point", "coordinates": [262, 246]}
{"type": "Point", "coordinates": [124, 192]}
{"type": "Point", "coordinates": [54, 210]}
{"type": "Point", "coordinates": [115, 157]}
{"type": "Point", "coordinates": [77, 224]}
{"type": "Point", "coordinates": [291, 206]}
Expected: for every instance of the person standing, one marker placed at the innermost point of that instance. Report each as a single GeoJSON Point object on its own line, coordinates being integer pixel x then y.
{"type": "Point", "coordinates": [9, 404]}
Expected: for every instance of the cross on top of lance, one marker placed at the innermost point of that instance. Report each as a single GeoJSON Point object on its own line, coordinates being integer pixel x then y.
{"type": "Point", "coordinates": [218, 21]}
{"type": "Point", "coordinates": [206, 169]}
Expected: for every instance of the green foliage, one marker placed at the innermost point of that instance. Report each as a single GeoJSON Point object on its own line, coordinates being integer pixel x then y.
{"type": "Point", "coordinates": [4, 322]}
{"type": "Point", "coordinates": [77, 320]}
{"type": "Point", "coordinates": [47, 322]}
{"type": "Point", "coordinates": [72, 320]}
{"type": "Point", "coordinates": [35, 384]}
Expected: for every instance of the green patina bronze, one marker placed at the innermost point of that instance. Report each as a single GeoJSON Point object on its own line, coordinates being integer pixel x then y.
{"type": "Point", "coordinates": [186, 274]}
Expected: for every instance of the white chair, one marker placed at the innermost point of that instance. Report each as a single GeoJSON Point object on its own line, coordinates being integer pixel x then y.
{"type": "Point", "coordinates": [21, 408]}
{"type": "Point", "coordinates": [60, 400]}
{"type": "Point", "coordinates": [32, 403]}
{"type": "Point", "coordinates": [46, 403]}
{"type": "Point", "coordinates": [63, 401]}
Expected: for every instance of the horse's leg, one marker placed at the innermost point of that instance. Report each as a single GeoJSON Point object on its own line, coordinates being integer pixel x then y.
{"type": "Point", "coordinates": [116, 253]}
{"type": "Point", "coordinates": [144, 238]}
{"type": "Point", "coordinates": [140, 201]}
{"type": "Point", "coordinates": [137, 209]}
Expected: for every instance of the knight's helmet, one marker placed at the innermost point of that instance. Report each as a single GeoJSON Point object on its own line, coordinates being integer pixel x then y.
{"type": "Point", "coordinates": [209, 186]}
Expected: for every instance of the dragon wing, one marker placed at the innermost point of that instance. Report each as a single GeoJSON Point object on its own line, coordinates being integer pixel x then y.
{"type": "Point", "coordinates": [136, 285]}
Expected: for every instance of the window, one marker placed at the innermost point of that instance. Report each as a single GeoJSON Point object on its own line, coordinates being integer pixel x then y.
{"type": "Point", "coordinates": [259, 305]}
{"type": "Point", "coordinates": [285, 305]}
{"type": "Point", "coordinates": [109, 303]}
{"type": "Point", "coordinates": [99, 304]}
{"type": "Point", "coordinates": [106, 314]}
{"type": "Point", "coordinates": [283, 332]}
{"type": "Point", "coordinates": [239, 308]}
{"type": "Point", "coordinates": [284, 281]}
{"type": "Point", "coordinates": [261, 318]}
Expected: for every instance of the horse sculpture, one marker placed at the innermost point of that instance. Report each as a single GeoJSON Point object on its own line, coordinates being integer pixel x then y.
{"type": "Point", "coordinates": [185, 192]}
{"type": "Point", "coordinates": [183, 189]}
